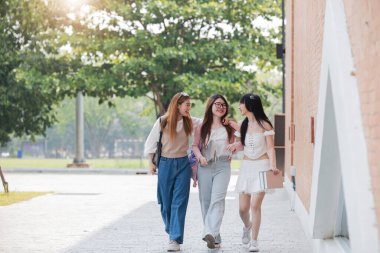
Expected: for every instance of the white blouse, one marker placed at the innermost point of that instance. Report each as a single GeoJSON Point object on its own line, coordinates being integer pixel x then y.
{"type": "Point", "coordinates": [216, 145]}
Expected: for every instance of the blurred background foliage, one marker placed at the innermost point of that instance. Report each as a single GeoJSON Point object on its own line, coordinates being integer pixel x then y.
{"type": "Point", "coordinates": [128, 58]}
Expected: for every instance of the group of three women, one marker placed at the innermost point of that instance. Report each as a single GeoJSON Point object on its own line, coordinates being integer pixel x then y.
{"type": "Point", "coordinates": [215, 140]}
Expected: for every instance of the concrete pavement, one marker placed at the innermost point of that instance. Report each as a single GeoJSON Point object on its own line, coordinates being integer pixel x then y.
{"type": "Point", "coordinates": [119, 213]}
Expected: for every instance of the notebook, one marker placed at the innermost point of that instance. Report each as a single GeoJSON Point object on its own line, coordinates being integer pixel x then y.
{"type": "Point", "coordinates": [268, 180]}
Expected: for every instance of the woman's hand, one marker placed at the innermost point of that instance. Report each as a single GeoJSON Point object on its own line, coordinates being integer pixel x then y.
{"type": "Point", "coordinates": [226, 121]}
{"type": "Point", "coordinates": [232, 147]}
{"type": "Point", "coordinates": [275, 170]}
{"type": "Point", "coordinates": [203, 161]}
{"type": "Point", "coordinates": [194, 171]}
{"type": "Point", "coordinates": [152, 167]}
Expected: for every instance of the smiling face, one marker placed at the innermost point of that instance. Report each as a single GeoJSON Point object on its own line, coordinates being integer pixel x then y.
{"type": "Point", "coordinates": [184, 108]}
{"type": "Point", "coordinates": [219, 108]}
{"type": "Point", "coordinates": [243, 109]}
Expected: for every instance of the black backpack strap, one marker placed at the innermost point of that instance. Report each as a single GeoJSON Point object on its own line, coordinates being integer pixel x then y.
{"type": "Point", "coordinates": [159, 140]}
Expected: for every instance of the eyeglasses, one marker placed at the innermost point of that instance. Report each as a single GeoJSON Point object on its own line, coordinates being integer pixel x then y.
{"type": "Point", "coordinates": [220, 105]}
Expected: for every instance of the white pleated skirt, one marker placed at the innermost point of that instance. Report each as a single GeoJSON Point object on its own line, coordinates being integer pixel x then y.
{"type": "Point", "coordinates": [248, 181]}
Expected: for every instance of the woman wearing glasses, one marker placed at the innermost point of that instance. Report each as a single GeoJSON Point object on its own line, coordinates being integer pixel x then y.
{"type": "Point", "coordinates": [174, 170]}
{"type": "Point", "coordinates": [259, 155]}
{"type": "Point", "coordinates": [215, 170]}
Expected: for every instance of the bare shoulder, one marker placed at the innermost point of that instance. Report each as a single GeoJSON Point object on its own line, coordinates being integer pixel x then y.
{"type": "Point", "coordinates": [267, 126]}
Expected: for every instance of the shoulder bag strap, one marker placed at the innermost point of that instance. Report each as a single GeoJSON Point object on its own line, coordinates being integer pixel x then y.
{"type": "Point", "coordinates": [159, 140]}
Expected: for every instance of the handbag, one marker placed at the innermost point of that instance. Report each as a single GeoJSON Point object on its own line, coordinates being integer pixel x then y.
{"type": "Point", "coordinates": [156, 156]}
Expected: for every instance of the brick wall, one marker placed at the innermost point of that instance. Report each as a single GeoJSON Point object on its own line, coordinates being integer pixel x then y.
{"type": "Point", "coordinates": [308, 36]}
{"type": "Point", "coordinates": [303, 70]}
{"type": "Point", "coordinates": [363, 21]}
{"type": "Point", "coordinates": [288, 73]}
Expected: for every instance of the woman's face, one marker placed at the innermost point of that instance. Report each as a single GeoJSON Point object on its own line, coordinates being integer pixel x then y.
{"type": "Point", "coordinates": [184, 108]}
{"type": "Point", "coordinates": [219, 108]}
{"type": "Point", "coordinates": [243, 109]}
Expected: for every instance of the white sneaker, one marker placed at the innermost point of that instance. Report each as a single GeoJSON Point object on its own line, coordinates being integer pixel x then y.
{"type": "Point", "coordinates": [252, 247]}
{"type": "Point", "coordinates": [173, 246]}
{"type": "Point", "coordinates": [210, 241]}
{"type": "Point", "coordinates": [246, 235]}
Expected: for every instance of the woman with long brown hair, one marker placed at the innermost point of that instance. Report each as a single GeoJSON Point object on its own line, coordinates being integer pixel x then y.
{"type": "Point", "coordinates": [174, 170]}
{"type": "Point", "coordinates": [214, 171]}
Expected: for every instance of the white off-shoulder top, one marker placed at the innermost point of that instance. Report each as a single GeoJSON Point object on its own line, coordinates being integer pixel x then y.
{"type": "Point", "coordinates": [255, 144]}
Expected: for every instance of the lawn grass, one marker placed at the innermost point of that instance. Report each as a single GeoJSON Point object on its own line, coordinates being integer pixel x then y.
{"type": "Point", "coordinates": [15, 197]}
{"type": "Point", "coordinates": [40, 163]}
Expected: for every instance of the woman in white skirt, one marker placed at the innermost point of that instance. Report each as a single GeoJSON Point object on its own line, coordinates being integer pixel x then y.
{"type": "Point", "coordinates": [256, 139]}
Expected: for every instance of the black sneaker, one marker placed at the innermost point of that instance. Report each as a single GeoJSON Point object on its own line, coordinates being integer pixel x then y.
{"type": "Point", "coordinates": [210, 241]}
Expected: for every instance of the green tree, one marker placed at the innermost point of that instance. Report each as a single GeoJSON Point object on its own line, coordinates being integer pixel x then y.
{"type": "Point", "coordinates": [127, 48]}
{"type": "Point", "coordinates": [157, 48]}
{"type": "Point", "coordinates": [24, 108]}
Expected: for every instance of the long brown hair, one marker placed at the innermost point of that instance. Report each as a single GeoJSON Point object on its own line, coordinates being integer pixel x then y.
{"type": "Point", "coordinates": [171, 116]}
{"type": "Point", "coordinates": [208, 119]}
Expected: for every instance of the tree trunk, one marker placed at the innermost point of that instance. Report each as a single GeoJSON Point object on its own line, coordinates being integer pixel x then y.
{"type": "Point", "coordinates": [157, 101]}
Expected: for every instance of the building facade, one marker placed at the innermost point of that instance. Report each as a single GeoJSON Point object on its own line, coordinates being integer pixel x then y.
{"type": "Point", "coordinates": [332, 119]}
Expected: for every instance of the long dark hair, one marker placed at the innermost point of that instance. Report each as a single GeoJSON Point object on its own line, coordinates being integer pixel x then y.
{"type": "Point", "coordinates": [253, 104]}
{"type": "Point", "coordinates": [208, 118]}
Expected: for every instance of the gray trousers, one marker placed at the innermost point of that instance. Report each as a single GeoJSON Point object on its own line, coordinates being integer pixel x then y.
{"type": "Point", "coordinates": [213, 181]}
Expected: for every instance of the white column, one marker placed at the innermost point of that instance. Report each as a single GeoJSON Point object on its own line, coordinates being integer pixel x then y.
{"type": "Point", "coordinates": [79, 143]}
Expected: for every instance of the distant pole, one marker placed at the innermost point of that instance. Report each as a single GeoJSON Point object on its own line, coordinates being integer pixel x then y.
{"type": "Point", "coordinates": [79, 148]}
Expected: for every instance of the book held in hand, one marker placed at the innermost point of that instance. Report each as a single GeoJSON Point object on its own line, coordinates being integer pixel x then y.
{"type": "Point", "coordinates": [268, 180]}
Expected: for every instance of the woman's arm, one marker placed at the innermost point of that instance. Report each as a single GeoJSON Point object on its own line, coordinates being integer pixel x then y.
{"type": "Point", "coordinates": [270, 151]}
{"type": "Point", "coordinates": [151, 145]}
{"type": "Point", "coordinates": [237, 146]}
{"type": "Point", "coordinates": [195, 147]}
{"type": "Point", "coordinates": [234, 125]}
{"type": "Point", "coordinates": [269, 136]}
{"type": "Point", "coordinates": [197, 122]}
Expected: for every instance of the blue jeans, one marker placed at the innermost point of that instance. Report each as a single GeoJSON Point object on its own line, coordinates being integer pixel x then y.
{"type": "Point", "coordinates": [173, 191]}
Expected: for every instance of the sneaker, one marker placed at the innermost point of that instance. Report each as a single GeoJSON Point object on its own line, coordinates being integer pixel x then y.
{"type": "Point", "coordinates": [217, 245]}
{"type": "Point", "coordinates": [252, 247]}
{"type": "Point", "coordinates": [210, 241]}
{"type": "Point", "coordinates": [173, 246]}
{"type": "Point", "coordinates": [246, 235]}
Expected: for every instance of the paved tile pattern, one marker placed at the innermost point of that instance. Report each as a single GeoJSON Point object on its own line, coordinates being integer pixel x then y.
{"type": "Point", "coordinates": [119, 213]}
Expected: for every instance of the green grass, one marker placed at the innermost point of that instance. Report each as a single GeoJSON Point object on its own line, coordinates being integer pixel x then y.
{"type": "Point", "coordinates": [15, 197]}
{"type": "Point", "coordinates": [39, 163]}
{"type": "Point", "coordinates": [62, 163]}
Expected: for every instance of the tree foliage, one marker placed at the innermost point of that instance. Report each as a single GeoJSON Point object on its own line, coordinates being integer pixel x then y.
{"type": "Point", "coordinates": [157, 48]}
{"type": "Point", "coordinates": [24, 106]}
{"type": "Point", "coordinates": [109, 48]}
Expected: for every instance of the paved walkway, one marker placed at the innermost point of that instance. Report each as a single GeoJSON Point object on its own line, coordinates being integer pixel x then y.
{"type": "Point", "coordinates": [118, 213]}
